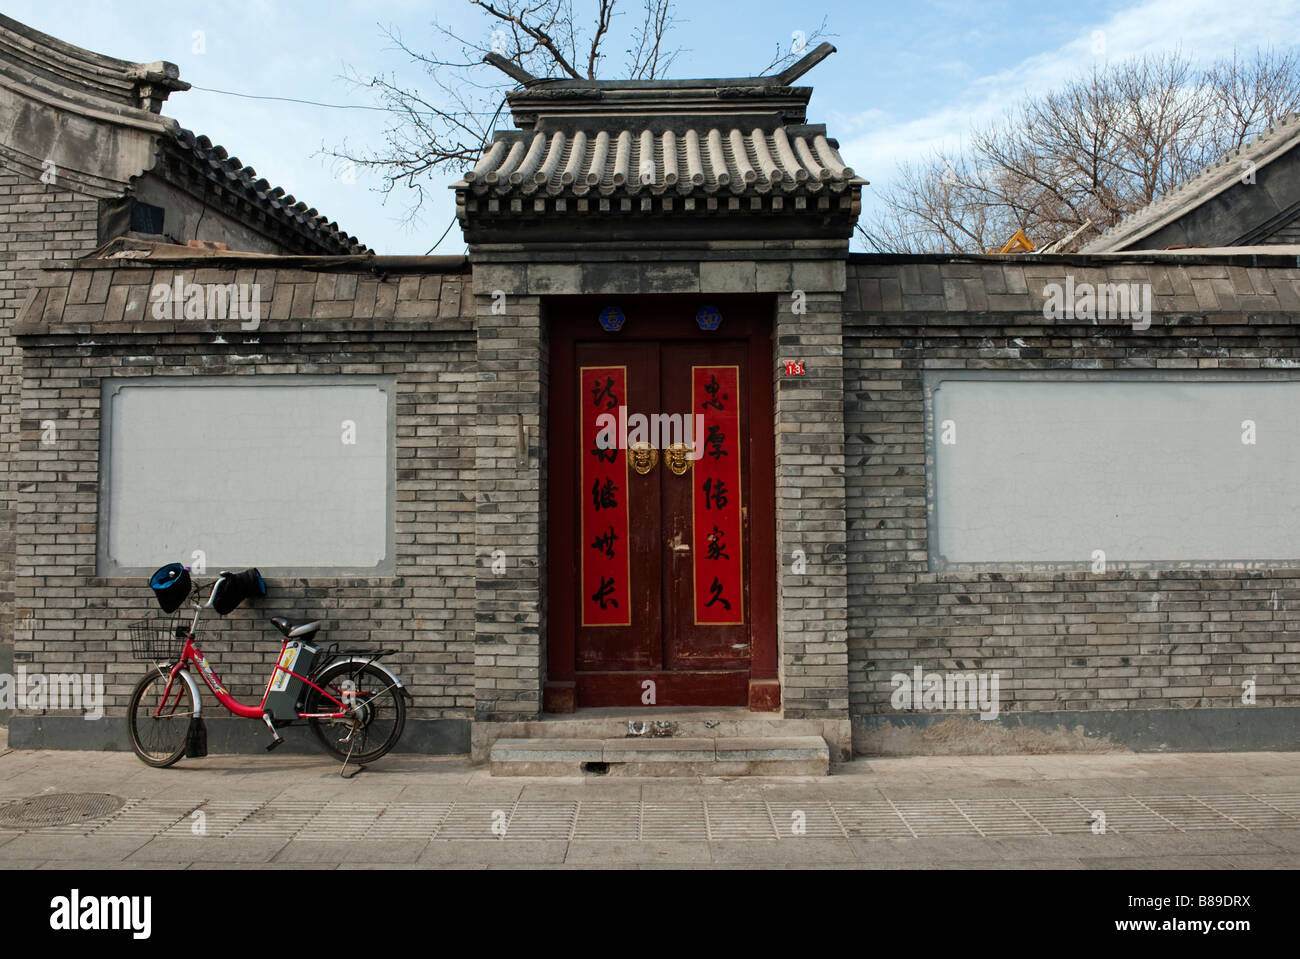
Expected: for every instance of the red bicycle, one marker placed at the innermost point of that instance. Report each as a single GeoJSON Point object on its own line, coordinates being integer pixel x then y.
{"type": "Point", "coordinates": [355, 705]}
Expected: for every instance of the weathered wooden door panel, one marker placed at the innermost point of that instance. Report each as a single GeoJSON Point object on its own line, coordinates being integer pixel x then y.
{"type": "Point", "coordinates": [619, 596]}
{"type": "Point", "coordinates": [706, 595]}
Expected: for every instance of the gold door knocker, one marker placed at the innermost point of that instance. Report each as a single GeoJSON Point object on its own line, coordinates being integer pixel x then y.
{"type": "Point", "coordinates": [675, 458]}
{"type": "Point", "coordinates": [644, 457]}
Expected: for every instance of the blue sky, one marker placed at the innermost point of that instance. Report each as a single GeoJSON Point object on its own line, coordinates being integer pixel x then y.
{"type": "Point", "coordinates": [908, 77]}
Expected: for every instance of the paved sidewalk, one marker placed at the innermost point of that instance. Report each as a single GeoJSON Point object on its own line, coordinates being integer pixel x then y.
{"type": "Point", "coordinates": [1190, 810]}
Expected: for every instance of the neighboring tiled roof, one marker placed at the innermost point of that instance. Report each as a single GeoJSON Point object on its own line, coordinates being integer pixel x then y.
{"type": "Point", "coordinates": [120, 135]}
{"type": "Point", "coordinates": [626, 163]}
{"type": "Point", "coordinates": [1221, 175]}
{"type": "Point", "coordinates": [49, 64]}
{"type": "Point", "coordinates": [225, 173]}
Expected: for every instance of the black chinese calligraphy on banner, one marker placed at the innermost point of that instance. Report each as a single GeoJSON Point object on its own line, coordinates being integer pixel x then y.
{"type": "Point", "coordinates": [719, 564]}
{"type": "Point", "coordinates": [606, 570]}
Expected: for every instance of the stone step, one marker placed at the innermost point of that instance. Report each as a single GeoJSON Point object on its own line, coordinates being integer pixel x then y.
{"type": "Point", "coordinates": [679, 723]}
{"type": "Point", "coordinates": [669, 756]}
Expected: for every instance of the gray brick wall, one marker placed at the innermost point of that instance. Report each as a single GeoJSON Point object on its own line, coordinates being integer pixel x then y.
{"type": "Point", "coordinates": [38, 222]}
{"type": "Point", "coordinates": [810, 507]}
{"type": "Point", "coordinates": [510, 478]}
{"type": "Point", "coordinates": [1060, 640]}
{"type": "Point", "coordinates": [417, 328]}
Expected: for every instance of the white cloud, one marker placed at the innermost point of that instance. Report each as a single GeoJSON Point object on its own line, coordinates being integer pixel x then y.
{"type": "Point", "coordinates": [1203, 29]}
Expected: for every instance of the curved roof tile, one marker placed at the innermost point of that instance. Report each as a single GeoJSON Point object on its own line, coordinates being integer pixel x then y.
{"type": "Point", "coordinates": [219, 167]}
{"type": "Point", "coordinates": [631, 161]}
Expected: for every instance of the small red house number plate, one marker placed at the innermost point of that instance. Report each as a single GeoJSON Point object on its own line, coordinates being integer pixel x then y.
{"type": "Point", "coordinates": [793, 368]}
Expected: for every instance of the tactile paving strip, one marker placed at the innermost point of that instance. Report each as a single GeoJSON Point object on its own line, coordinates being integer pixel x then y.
{"type": "Point", "coordinates": [674, 820]}
{"type": "Point", "coordinates": [408, 821]}
{"type": "Point", "coordinates": [691, 820]}
{"type": "Point", "coordinates": [1000, 817]}
{"type": "Point", "coordinates": [739, 820]}
{"type": "Point", "coordinates": [279, 820]}
{"type": "Point", "coordinates": [599, 819]}
{"type": "Point", "coordinates": [542, 820]}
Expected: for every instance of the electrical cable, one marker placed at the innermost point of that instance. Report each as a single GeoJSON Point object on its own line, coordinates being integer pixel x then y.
{"type": "Point", "coordinates": [491, 124]}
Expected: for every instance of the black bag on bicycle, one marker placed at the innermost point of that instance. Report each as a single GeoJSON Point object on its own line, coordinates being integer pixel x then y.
{"type": "Point", "coordinates": [170, 586]}
{"type": "Point", "coordinates": [237, 587]}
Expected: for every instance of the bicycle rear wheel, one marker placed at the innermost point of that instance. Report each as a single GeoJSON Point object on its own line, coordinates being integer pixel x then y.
{"type": "Point", "coordinates": [380, 711]}
{"type": "Point", "coordinates": [158, 736]}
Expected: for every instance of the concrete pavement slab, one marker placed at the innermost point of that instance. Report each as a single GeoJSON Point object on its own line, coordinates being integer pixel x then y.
{"type": "Point", "coordinates": [262, 866]}
{"type": "Point", "coordinates": [1236, 842]}
{"type": "Point", "coordinates": [792, 851]}
{"type": "Point", "coordinates": [1285, 861]}
{"type": "Point", "coordinates": [1164, 862]}
{"type": "Point", "coordinates": [668, 851]}
{"type": "Point", "coordinates": [312, 852]}
{"type": "Point", "coordinates": [920, 852]}
{"type": "Point", "coordinates": [48, 846]}
{"type": "Point", "coordinates": [164, 853]}
{"type": "Point", "coordinates": [1285, 840]}
{"type": "Point", "coordinates": [1065, 847]}
{"type": "Point", "coordinates": [489, 851]}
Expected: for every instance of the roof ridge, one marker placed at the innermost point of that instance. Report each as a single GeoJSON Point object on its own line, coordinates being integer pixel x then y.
{"type": "Point", "coordinates": [258, 191]}
{"type": "Point", "coordinates": [1152, 210]}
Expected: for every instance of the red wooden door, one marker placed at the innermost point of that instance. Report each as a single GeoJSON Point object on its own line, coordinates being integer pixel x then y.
{"type": "Point", "coordinates": [652, 569]}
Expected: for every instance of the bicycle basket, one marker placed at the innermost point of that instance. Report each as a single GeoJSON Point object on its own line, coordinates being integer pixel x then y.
{"type": "Point", "coordinates": [157, 640]}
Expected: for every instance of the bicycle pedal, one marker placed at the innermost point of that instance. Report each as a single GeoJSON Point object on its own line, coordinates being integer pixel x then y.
{"type": "Point", "coordinates": [271, 745]}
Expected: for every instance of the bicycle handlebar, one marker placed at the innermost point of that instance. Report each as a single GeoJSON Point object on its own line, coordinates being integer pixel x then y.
{"type": "Point", "coordinates": [212, 594]}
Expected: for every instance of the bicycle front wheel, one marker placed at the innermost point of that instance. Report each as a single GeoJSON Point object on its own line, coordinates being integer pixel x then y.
{"type": "Point", "coordinates": [158, 735]}
{"type": "Point", "coordinates": [378, 711]}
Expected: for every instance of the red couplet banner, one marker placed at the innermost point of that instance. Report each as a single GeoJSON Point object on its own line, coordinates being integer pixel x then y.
{"type": "Point", "coordinates": [719, 562]}
{"type": "Point", "coordinates": [606, 565]}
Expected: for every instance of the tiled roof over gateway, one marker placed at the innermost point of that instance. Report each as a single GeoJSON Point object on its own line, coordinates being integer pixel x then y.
{"type": "Point", "coordinates": [628, 163]}
{"type": "Point", "coordinates": [739, 147]}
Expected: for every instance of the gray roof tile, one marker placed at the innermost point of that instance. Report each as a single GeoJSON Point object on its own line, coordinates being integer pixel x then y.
{"type": "Point", "coordinates": [627, 163]}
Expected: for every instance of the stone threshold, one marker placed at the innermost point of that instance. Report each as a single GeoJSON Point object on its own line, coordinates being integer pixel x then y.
{"type": "Point", "coordinates": [664, 756]}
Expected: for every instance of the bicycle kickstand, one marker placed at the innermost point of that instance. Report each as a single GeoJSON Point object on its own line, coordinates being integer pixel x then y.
{"type": "Point", "coordinates": [276, 739]}
{"type": "Point", "coordinates": [352, 742]}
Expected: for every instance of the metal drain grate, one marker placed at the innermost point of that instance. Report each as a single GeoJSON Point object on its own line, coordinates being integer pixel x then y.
{"type": "Point", "coordinates": [58, 809]}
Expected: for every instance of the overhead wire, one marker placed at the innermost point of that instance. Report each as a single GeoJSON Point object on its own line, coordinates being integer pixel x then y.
{"type": "Point", "coordinates": [352, 106]}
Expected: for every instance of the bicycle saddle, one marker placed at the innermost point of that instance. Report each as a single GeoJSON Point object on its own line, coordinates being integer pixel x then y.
{"type": "Point", "coordinates": [296, 628]}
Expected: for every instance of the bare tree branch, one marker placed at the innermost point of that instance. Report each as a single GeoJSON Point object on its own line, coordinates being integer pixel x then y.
{"type": "Point", "coordinates": [1100, 148]}
{"type": "Point", "coordinates": [602, 27]}
{"type": "Point", "coordinates": [648, 60]}
{"type": "Point", "coordinates": [798, 47]}
{"type": "Point", "coordinates": [537, 30]}
{"type": "Point", "coordinates": [445, 122]}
